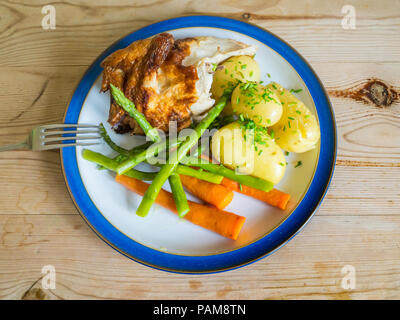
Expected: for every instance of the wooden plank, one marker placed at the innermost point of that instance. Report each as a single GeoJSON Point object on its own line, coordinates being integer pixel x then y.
{"type": "Point", "coordinates": [35, 96]}
{"type": "Point", "coordinates": [364, 191]}
{"type": "Point", "coordinates": [368, 124]}
{"type": "Point", "coordinates": [83, 30]}
{"type": "Point", "coordinates": [308, 267]}
{"type": "Point", "coordinates": [32, 183]}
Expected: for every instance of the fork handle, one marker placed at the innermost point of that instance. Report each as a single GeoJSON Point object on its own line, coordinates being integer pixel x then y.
{"type": "Point", "coordinates": [14, 146]}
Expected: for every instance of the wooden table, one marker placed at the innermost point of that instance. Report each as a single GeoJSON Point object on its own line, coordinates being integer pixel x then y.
{"type": "Point", "coordinates": [358, 223]}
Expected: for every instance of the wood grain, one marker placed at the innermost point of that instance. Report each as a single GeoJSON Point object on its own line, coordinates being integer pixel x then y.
{"type": "Point", "coordinates": [357, 224]}
{"type": "Point", "coordinates": [84, 29]}
{"type": "Point", "coordinates": [87, 268]}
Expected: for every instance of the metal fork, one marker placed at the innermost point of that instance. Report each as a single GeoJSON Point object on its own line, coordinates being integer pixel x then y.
{"type": "Point", "coordinates": [52, 136]}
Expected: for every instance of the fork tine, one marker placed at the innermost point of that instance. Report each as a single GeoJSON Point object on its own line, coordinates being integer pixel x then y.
{"type": "Point", "coordinates": [73, 125]}
{"type": "Point", "coordinates": [51, 133]}
{"type": "Point", "coordinates": [77, 138]}
{"type": "Point", "coordinates": [62, 145]}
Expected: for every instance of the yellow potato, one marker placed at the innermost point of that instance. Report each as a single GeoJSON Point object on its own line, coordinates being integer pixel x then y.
{"type": "Point", "coordinates": [256, 102]}
{"type": "Point", "coordinates": [263, 160]}
{"type": "Point", "coordinates": [233, 70]}
{"type": "Point", "coordinates": [297, 130]}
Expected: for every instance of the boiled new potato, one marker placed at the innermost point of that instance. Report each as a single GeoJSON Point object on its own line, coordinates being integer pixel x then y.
{"type": "Point", "coordinates": [233, 70]}
{"type": "Point", "coordinates": [263, 159]}
{"type": "Point", "coordinates": [256, 102]}
{"type": "Point", "coordinates": [297, 130]}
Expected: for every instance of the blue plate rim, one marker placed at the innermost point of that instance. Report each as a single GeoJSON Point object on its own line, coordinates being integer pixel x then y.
{"type": "Point", "coordinates": [241, 256]}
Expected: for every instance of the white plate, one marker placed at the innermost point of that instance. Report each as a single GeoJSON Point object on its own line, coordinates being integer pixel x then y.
{"type": "Point", "coordinates": [162, 230]}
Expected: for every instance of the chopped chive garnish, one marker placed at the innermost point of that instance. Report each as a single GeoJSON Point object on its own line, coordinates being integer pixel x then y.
{"type": "Point", "coordinates": [298, 111]}
{"type": "Point", "coordinates": [298, 164]}
{"type": "Point", "coordinates": [296, 91]}
{"type": "Point", "coordinates": [272, 133]}
{"type": "Point", "coordinates": [244, 66]}
{"type": "Point", "coordinates": [286, 153]}
{"type": "Point", "coordinates": [268, 75]}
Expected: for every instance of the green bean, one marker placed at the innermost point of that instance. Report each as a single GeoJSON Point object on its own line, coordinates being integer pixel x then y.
{"type": "Point", "coordinates": [156, 185]}
{"type": "Point", "coordinates": [129, 107]}
{"type": "Point", "coordinates": [119, 149]}
{"type": "Point", "coordinates": [247, 180]}
{"type": "Point", "coordinates": [112, 164]}
{"type": "Point", "coordinates": [221, 121]}
{"type": "Point", "coordinates": [146, 154]}
{"type": "Point", "coordinates": [199, 174]}
{"type": "Point", "coordinates": [140, 148]}
{"type": "Point", "coordinates": [182, 205]}
{"type": "Point", "coordinates": [111, 143]}
{"type": "Point", "coordinates": [181, 169]}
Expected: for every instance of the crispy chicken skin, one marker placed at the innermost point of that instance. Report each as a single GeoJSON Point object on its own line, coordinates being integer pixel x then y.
{"type": "Point", "coordinates": [151, 74]}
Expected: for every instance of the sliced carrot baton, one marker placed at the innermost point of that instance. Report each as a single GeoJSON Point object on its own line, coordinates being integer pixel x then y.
{"type": "Point", "coordinates": [274, 197]}
{"type": "Point", "coordinates": [224, 223]}
{"type": "Point", "coordinates": [212, 193]}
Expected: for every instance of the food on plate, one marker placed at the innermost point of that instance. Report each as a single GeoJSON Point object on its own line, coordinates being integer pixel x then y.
{"type": "Point", "coordinates": [179, 195]}
{"type": "Point", "coordinates": [249, 151]}
{"type": "Point", "coordinates": [130, 108]}
{"type": "Point", "coordinates": [297, 130]}
{"type": "Point", "coordinates": [212, 193]}
{"type": "Point", "coordinates": [181, 151]}
{"type": "Point", "coordinates": [193, 81]}
{"type": "Point", "coordinates": [112, 164]}
{"type": "Point", "coordinates": [248, 180]}
{"type": "Point", "coordinates": [225, 223]}
{"type": "Point", "coordinates": [232, 71]}
{"type": "Point", "coordinates": [257, 102]}
{"type": "Point", "coordinates": [274, 197]}
{"type": "Point", "coordinates": [166, 79]}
